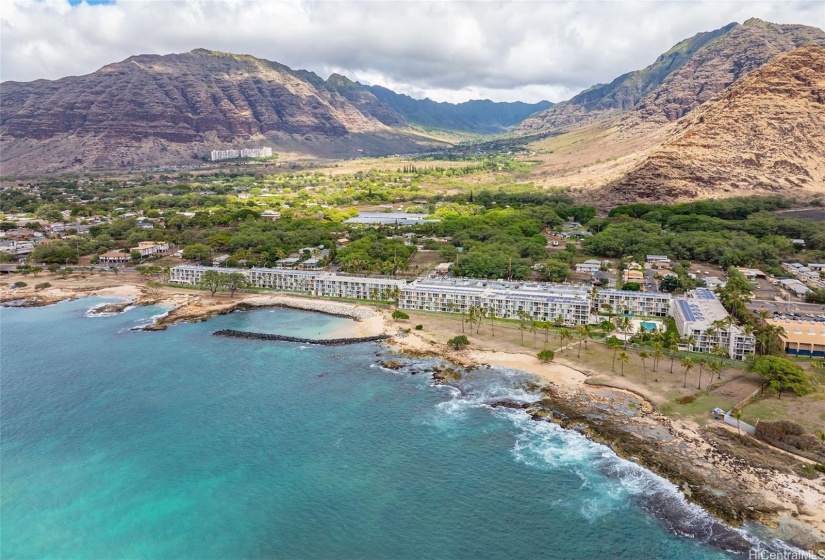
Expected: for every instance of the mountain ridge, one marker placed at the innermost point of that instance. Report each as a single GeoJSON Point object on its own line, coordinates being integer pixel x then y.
{"type": "Point", "coordinates": [481, 116]}
{"type": "Point", "coordinates": [150, 109]}
{"type": "Point", "coordinates": [714, 152]}
{"type": "Point", "coordinates": [680, 79]}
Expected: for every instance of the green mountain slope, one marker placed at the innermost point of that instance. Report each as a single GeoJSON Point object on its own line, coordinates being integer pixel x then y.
{"type": "Point", "coordinates": [479, 116]}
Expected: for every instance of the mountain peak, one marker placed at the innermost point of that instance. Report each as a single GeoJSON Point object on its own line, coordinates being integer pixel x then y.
{"type": "Point", "coordinates": [716, 152]}
{"type": "Point", "coordinates": [687, 75]}
{"type": "Point", "coordinates": [756, 22]}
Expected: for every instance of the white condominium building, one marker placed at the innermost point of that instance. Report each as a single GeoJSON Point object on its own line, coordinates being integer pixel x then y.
{"type": "Point", "coordinates": [324, 284]}
{"type": "Point", "coordinates": [652, 304]}
{"type": "Point", "coordinates": [703, 322]}
{"type": "Point", "coordinates": [218, 155]}
{"type": "Point", "coordinates": [543, 302]}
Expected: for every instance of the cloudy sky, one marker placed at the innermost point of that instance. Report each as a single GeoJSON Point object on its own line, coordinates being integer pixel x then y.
{"type": "Point", "coordinates": [448, 51]}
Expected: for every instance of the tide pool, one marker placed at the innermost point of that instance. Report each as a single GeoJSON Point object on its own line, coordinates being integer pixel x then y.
{"type": "Point", "coordinates": [118, 443]}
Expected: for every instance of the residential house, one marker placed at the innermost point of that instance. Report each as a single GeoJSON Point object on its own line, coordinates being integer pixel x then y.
{"type": "Point", "coordinates": [114, 257]}
{"type": "Point", "coordinates": [589, 266]}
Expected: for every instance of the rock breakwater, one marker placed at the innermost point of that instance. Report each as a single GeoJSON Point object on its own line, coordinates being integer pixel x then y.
{"type": "Point", "coordinates": [282, 338]}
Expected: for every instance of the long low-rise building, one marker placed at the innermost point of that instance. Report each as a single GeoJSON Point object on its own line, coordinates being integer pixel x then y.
{"type": "Point", "coordinates": [508, 300]}
{"type": "Point", "coordinates": [704, 325]}
{"type": "Point", "coordinates": [324, 284]}
{"type": "Point", "coordinates": [802, 338]}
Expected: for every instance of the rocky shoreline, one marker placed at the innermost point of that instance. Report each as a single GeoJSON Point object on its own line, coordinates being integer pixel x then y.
{"type": "Point", "coordinates": [706, 464]}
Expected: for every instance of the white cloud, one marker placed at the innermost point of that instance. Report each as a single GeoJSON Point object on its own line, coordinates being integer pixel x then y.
{"type": "Point", "coordinates": [449, 51]}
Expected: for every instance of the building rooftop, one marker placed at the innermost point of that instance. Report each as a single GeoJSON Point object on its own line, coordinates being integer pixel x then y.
{"type": "Point", "coordinates": [700, 308]}
{"type": "Point", "coordinates": [389, 218]}
{"type": "Point", "coordinates": [802, 332]}
{"type": "Point", "coordinates": [495, 287]}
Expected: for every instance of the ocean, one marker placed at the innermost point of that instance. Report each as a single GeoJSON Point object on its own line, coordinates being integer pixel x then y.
{"type": "Point", "coordinates": [119, 443]}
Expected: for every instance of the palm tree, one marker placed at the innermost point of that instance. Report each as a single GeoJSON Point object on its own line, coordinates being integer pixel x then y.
{"type": "Point", "coordinates": [584, 332]}
{"type": "Point", "coordinates": [687, 363]}
{"type": "Point", "coordinates": [623, 324]}
{"type": "Point", "coordinates": [534, 328]}
{"type": "Point", "coordinates": [614, 344]}
{"type": "Point", "coordinates": [473, 317]}
{"type": "Point", "coordinates": [559, 320]}
{"type": "Point", "coordinates": [565, 334]}
{"type": "Point", "coordinates": [774, 331]}
{"type": "Point", "coordinates": [720, 351]}
{"type": "Point", "coordinates": [702, 363]}
{"type": "Point", "coordinates": [491, 313]}
{"type": "Point", "coordinates": [738, 415]}
{"type": "Point", "coordinates": [546, 326]}
{"type": "Point", "coordinates": [623, 359]}
{"type": "Point", "coordinates": [522, 324]}
{"type": "Point", "coordinates": [482, 314]}
{"type": "Point", "coordinates": [644, 355]}
{"type": "Point", "coordinates": [672, 348]}
{"type": "Point", "coordinates": [715, 366]}
{"type": "Point", "coordinates": [657, 355]}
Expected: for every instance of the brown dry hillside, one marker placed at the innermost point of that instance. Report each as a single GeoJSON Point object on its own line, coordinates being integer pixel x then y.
{"type": "Point", "coordinates": [765, 134]}
{"type": "Point", "coordinates": [154, 109]}
{"type": "Point", "coordinates": [678, 81]}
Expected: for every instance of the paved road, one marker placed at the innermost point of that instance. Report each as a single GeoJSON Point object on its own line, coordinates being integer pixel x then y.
{"type": "Point", "coordinates": [650, 280]}
{"type": "Point", "coordinates": [786, 306]}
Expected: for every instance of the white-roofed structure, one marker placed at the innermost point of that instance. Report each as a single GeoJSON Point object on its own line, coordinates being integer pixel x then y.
{"type": "Point", "coordinates": [543, 302]}
{"type": "Point", "coordinates": [703, 323]}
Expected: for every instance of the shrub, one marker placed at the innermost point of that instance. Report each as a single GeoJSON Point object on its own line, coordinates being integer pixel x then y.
{"type": "Point", "coordinates": [19, 285]}
{"type": "Point", "coordinates": [399, 315]}
{"type": "Point", "coordinates": [686, 400]}
{"type": "Point", "coordinates": [790, 436]}
{"type": "Point", "coordinates": [777, 431]}
{"type": "Point", "coordinates": [546, 356]}
{"type": "Point", "coordinates": [419, 327]}
{"type": "Point", "coordinates": [42, 286]}
{"type": "Point", "coordinates": [459, 342]}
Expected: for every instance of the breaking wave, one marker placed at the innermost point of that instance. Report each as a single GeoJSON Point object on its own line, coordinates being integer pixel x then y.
{"type": "Point", "coordinates": [608, 483]}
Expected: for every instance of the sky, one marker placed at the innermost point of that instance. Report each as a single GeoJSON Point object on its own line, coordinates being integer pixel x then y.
{"type": "Point", "coordinates": [514, 50]}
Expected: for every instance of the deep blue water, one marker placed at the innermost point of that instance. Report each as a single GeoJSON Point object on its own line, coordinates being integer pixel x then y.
{"type": "Point", "coordinates": [125, 444]}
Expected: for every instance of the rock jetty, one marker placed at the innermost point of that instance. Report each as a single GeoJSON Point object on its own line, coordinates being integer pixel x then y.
{"type": "Point", "coordinates": [282, 338]}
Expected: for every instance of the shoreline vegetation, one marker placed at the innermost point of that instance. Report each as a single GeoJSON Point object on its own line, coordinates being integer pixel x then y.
{"type": "Point", "coordinates": [736, 478]}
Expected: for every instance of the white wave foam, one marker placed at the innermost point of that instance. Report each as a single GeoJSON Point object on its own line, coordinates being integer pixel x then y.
{"type": "Point", "coordinates": [151, 320]}
{"type": "Point", "coordinates": [91, 312]}
{"type": "Point", "coordinates": [608, 482]}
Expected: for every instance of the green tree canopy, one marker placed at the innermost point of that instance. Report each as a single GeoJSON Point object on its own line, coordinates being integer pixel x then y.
{"type": "Point", "coordinates": [780, 375]}
{"type": "Point", "coordinates": [459, 342]}
{"type": "Point", "coordinates": [57, 252]}
{"type": "Point", "coordinates": [197, 252]}
{"type": "Point", "coordinates": [212, 280]}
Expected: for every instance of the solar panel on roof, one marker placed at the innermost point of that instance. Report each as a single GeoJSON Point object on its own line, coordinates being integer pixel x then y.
{"type": "Point", "coordinates": [686, 310]}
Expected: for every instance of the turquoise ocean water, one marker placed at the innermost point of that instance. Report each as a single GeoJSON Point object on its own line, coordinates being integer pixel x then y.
{"type": "Point", "coordinates": [118, 443]}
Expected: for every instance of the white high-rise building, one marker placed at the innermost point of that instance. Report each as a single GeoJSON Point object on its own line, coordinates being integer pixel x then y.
{"type": "Point", "coordinates": [218, 155]}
